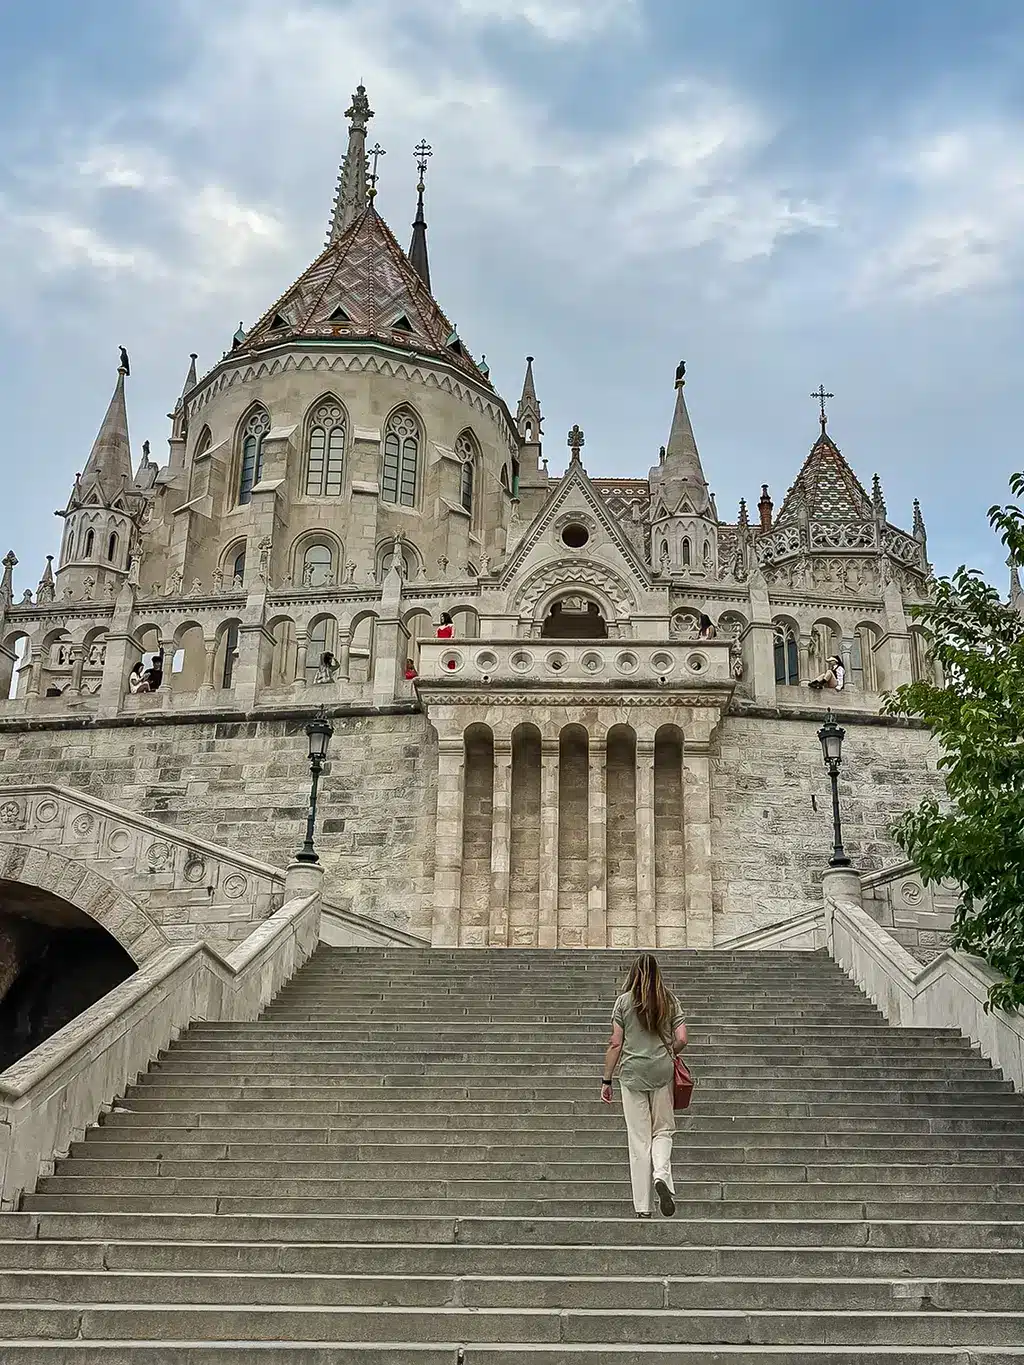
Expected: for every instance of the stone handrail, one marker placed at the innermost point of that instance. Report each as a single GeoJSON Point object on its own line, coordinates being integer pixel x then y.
{"type": "Point", "coordinates": [50, 1097]}
{"type": "Point", "coordinates": [950, 992]}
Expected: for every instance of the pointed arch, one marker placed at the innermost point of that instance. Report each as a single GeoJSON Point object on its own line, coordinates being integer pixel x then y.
{"type": "Point", "coordinates": [90, 542]}
{"type": "Point", "coordinates": [252, 433]}
{"type": "Point", "coordinates": [403, 437]}
{"type": "Point", "coordinates": [203, 443]}
{"type": "Point", "coordinates": [326, 434]}
{"type": "Point", "coordinates": [467, 448]}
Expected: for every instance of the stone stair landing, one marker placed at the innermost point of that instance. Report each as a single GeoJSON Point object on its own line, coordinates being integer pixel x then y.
{"type": "Point", "coordinates": [405, 1161]}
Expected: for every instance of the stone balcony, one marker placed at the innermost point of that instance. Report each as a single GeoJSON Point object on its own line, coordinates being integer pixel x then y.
{"type": "Point", "coordinates": [577, 665]}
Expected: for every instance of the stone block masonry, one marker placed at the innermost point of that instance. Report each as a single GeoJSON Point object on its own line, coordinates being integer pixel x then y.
{"type": "Point", "coordinates": [772, 812]}
{"type": "Point", "coordinates": [245, 785]}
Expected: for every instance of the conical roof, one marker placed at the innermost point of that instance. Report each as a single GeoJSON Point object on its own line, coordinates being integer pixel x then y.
{"type": "Point", "coordinates": [679, 477]}
{"type": "Point", "coordinates": [362, 285]}
{"type": "Point", "coordinates": [826, 488]}
{"type": "Point", "coordinates": [109, 467]}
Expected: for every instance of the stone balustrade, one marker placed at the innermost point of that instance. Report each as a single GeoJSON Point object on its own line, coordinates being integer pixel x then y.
{"type": "Point", "coordinates": [614, 665]}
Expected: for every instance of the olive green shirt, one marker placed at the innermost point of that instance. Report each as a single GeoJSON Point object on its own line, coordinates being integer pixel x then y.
{"type": "Point", "coordinates": [646, 1063]}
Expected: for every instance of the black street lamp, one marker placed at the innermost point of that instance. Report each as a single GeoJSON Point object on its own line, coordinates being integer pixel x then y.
{"type": "Point", "coordinates": [318, 733]}
{"type": "Point", "coordinates": [832, 736]}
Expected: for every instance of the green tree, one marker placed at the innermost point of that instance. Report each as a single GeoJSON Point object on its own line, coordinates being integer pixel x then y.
{"type": "Point", "coordinates": [977, 838]}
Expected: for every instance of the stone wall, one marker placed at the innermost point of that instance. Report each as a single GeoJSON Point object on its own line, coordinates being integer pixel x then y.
{"type": "Point", "coordinates": [245, 785]}
{"type": "Point", "coordinates": [772, 810]}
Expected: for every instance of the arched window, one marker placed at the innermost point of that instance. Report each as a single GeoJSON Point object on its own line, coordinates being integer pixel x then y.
{"type": "Point", "coordinates": [686, 553]}
{"type": "Point", "coordinates": [466, 450]}
{"type": "Point", "coordinates": [401, 457]}
{"type": "Point", "coordinates": [238, 567]}
{"type": "Point", "coordinates": [112, 547]}
{"type": "Point", "coordinates": [203, 444]}
{"type": "Point", "coordinates": [230, 653]}
{"type": "Point", "coordinates": [253, 435]}
{"type": "Point", "coordinates": [707, 554]}
{"type": "Point", "coordinates": [787, 657]}
{"type": "Point", "coordinates": [317, 564]}
{"type": "Point", "coordinates": [90, 541]}
{"type": "Point", "coordinates": [316, 646]}
{"type": "Point", "coordinates": [326, 451]}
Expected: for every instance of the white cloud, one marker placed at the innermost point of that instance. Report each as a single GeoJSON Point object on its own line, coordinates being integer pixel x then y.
{"type": "Point", "coordinates": [557, 21]}
{"type": "Point", "coordinates": [957, 222]}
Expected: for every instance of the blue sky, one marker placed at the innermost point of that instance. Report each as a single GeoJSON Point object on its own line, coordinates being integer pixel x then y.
{"type": "Point", "coordinates": [783, 192]}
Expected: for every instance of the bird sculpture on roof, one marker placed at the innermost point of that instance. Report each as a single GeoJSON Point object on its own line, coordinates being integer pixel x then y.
{"type": "Point", "coordinates": [124, 361]}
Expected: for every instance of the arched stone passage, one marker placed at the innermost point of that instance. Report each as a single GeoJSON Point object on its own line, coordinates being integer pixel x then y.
{"type": "Point", "coordinates": [30, 873]}
{"type": "Point", "coordinates": [55, 961]}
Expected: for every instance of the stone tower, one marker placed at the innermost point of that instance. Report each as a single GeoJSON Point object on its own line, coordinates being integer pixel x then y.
{"type": "Point", "coordinates": [683, 520]}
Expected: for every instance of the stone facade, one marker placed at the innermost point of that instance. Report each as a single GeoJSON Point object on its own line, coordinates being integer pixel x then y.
{"type": "Point", "coordinates": [616, 747]}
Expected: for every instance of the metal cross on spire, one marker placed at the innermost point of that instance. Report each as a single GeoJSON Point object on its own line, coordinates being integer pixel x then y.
{"type": "Point", "coordinates": [421, 153]}
{"type": "Point", "coordinates": [575, 442]}
{"type": "Point", "coordinates": [821, 395]}
{"type": "Point", "coordinates": [376, 151]}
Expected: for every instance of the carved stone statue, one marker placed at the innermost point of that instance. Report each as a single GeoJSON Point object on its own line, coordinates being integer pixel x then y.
{"type": "Point", "coordinates": [218, 580]}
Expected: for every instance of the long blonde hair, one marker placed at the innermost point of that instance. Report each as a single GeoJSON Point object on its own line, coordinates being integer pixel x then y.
{"type": "Point", "coordinates": [654, 1003]}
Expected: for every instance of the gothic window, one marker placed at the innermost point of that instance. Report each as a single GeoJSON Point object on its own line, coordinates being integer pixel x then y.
{"type": "Point", "coordinates": [407, 559]}
{"type": "Point", "coordinates": [90, 541]}
{"type": "Point", "coordinates": [664, 552]}
{"type": "Point", "coordinates": [326, 451]}
{"type": "Point", "coordinates": [316, 646]}
{"type": "Point", "coordinates": [203, 444]}
{"type": "Point", "coordinates": [863, 662]}
{"type": "Point", "coordinates": [238, 566]}
{"type": "Point", "coordinates": [686, 553]}
{"type": "Point", "coordinates": [466, 450]}
{"type": "Point", "coordinates": [401, 458]}
{"type": "Point", "coordinates": [317, 564]}
{"type": "Point", "coordinates": [253, 435]}
{"type": "Point", "coordinates": [707, 554]}
{"type": "Point", "coordinates": [112, 547]}
{"type": "Point", "coordinates": [230, 651]}
{"type": "Point", "coordinates": [787, 657]}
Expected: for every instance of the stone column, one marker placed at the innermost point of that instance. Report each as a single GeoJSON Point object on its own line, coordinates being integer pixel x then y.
{"type": "Point", "coordinates": [697, 731]}
{"type": "Point", "coordinates": [597, 884]}
{"type": "Point", "coordinates": [77, 668]}
{"type": "Point", "coordinates": [167, 681]}
{"type": "Point", "coordinates": [344, 654]}
{"type": "Point", "coordinates": [448, 834]}
{"type": "Point", "coordinates": [301, 662]}
{"type": "Point", "coordinates": [390, 651]}
{"type": "Point", "coordinates": [501, 838]}
{"type": "Point", "coordinates": [547, 925]}
{"type": "Point", "coordinates": [804, 649]}
{"type": "Point", "coordinates": [253, 640]}
{"type": "Point", "coordinates": [646, 918]}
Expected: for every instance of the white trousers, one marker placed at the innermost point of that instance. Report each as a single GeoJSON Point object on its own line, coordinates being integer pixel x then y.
{"type": "Point", "coordinates": [650, 1123]}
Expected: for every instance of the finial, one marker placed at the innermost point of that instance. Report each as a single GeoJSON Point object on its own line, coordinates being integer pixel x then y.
{"type": "Point", "coordinates": [743, 519]}
{"type": "Point", "coordinates": [877, 497]}
{"type": "Point", "coordinates": [765, 507]}
{"type": "Point", "coordinates": [124, 368]}
{"type": "Point", "coordinates": [821, 395]}
{"type": "Point", "coordinates": [421, 152]}
{"type": "Point", "coordinates": [680, 374]}
{"type": "Point", "coordinates": [575, 442]}
{"type": "Point", "coordinates": [376, 151]}
{"type": "Point", "coordinates": [483, 367]}
{"type": "Point", "coordinates": [359, 111]}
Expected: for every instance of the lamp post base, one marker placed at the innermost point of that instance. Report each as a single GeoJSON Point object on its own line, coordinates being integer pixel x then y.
{"type": "Point", "coordinates": [842, 883]}
{"type": "Point", "coordinates": [302, 879]}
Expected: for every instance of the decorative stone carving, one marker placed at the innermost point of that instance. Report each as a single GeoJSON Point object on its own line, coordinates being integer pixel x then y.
{"type": "Point", "coordinates": [10, 813]}
{"type": "Point", "coordinates": [569, 573]}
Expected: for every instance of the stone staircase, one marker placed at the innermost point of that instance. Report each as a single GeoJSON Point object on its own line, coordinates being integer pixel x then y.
{"type": "Point", "coordinates": [405, 1162]}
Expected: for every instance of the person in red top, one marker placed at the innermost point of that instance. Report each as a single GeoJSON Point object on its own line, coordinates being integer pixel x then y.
{"type": "Point", "coordinates": [446, 631]}
{"type": "Point", "coordinates": [410, 670]}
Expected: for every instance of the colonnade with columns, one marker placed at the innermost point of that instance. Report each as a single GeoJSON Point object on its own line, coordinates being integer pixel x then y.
{"type": "Point", "coordinates": [573, 827]}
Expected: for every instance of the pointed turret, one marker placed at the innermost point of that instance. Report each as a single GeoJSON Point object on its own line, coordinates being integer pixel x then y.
{"type": "Point", "coordinates": [878, 497]}
{"type": "Point", "coordinates": [109, 466]}
{"type": "Point", "coordinates": [418, 246]}
{"type": "Point", "coordinates": [528, 413]}
{"type": "Point", "coordinates": [684, 525]}
{"type": "Point", "coordinates": [350, 198]}
{"type": "Point", "coordinates": [45, 591]}
{"type": "Point", "coordinates": [104, 507]}
{"type": "Point", "coordinates": [765, 507]}
{"type": "Point", "coordinates": [190, 378]}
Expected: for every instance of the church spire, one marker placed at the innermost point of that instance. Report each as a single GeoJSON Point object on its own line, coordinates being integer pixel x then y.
{"type": "Point", "coordinates": [681, 470]}
{"type": "Point", "coordinates": [528, 413]}
{"type": "Point", "coordinates": [190, 378]}
{"type": "Point", "coordinates": [110, 461]}
{"type": "Point", "coordinates": [350, 198]}
{"type": "Point", "coordinates": [418, 246]}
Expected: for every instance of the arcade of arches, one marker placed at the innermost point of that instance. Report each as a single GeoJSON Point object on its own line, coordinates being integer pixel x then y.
{"type": "Point", "coordinates": [573, 832]}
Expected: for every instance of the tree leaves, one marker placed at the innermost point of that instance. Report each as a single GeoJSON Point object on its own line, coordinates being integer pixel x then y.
{"type": "Point", "coordinates": [978, 719]}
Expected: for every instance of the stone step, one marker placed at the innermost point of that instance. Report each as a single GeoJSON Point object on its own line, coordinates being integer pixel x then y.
{"type": "Point", "coordinates": [716, 1229]}
{"type": "Point", "coordinates": [546, 1205]}
{"type": "Point", "coordinates": [598, 1292]}
{"type": "Point", "coordinates": [897, 1266]}
{"type": "Point", "coordinates": [418, 1173]}
{"type": "Point", "coordinates": [269, 1068]}
{"type": "Point", "coordinates": [349, 1325]}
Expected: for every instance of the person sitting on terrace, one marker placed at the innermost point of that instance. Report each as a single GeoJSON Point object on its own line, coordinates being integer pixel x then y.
{"type": "Point", "coordinates": [833, 677]}
{"type": "Point", "coordinates": [328, 669]}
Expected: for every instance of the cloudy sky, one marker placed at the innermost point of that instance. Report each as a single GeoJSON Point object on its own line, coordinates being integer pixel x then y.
{"type": "Point", "coordinates": [783, 192]}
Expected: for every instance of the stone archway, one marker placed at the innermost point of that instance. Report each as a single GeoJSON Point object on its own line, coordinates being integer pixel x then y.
{"type": "Point", "coordinates": [29, 868]}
